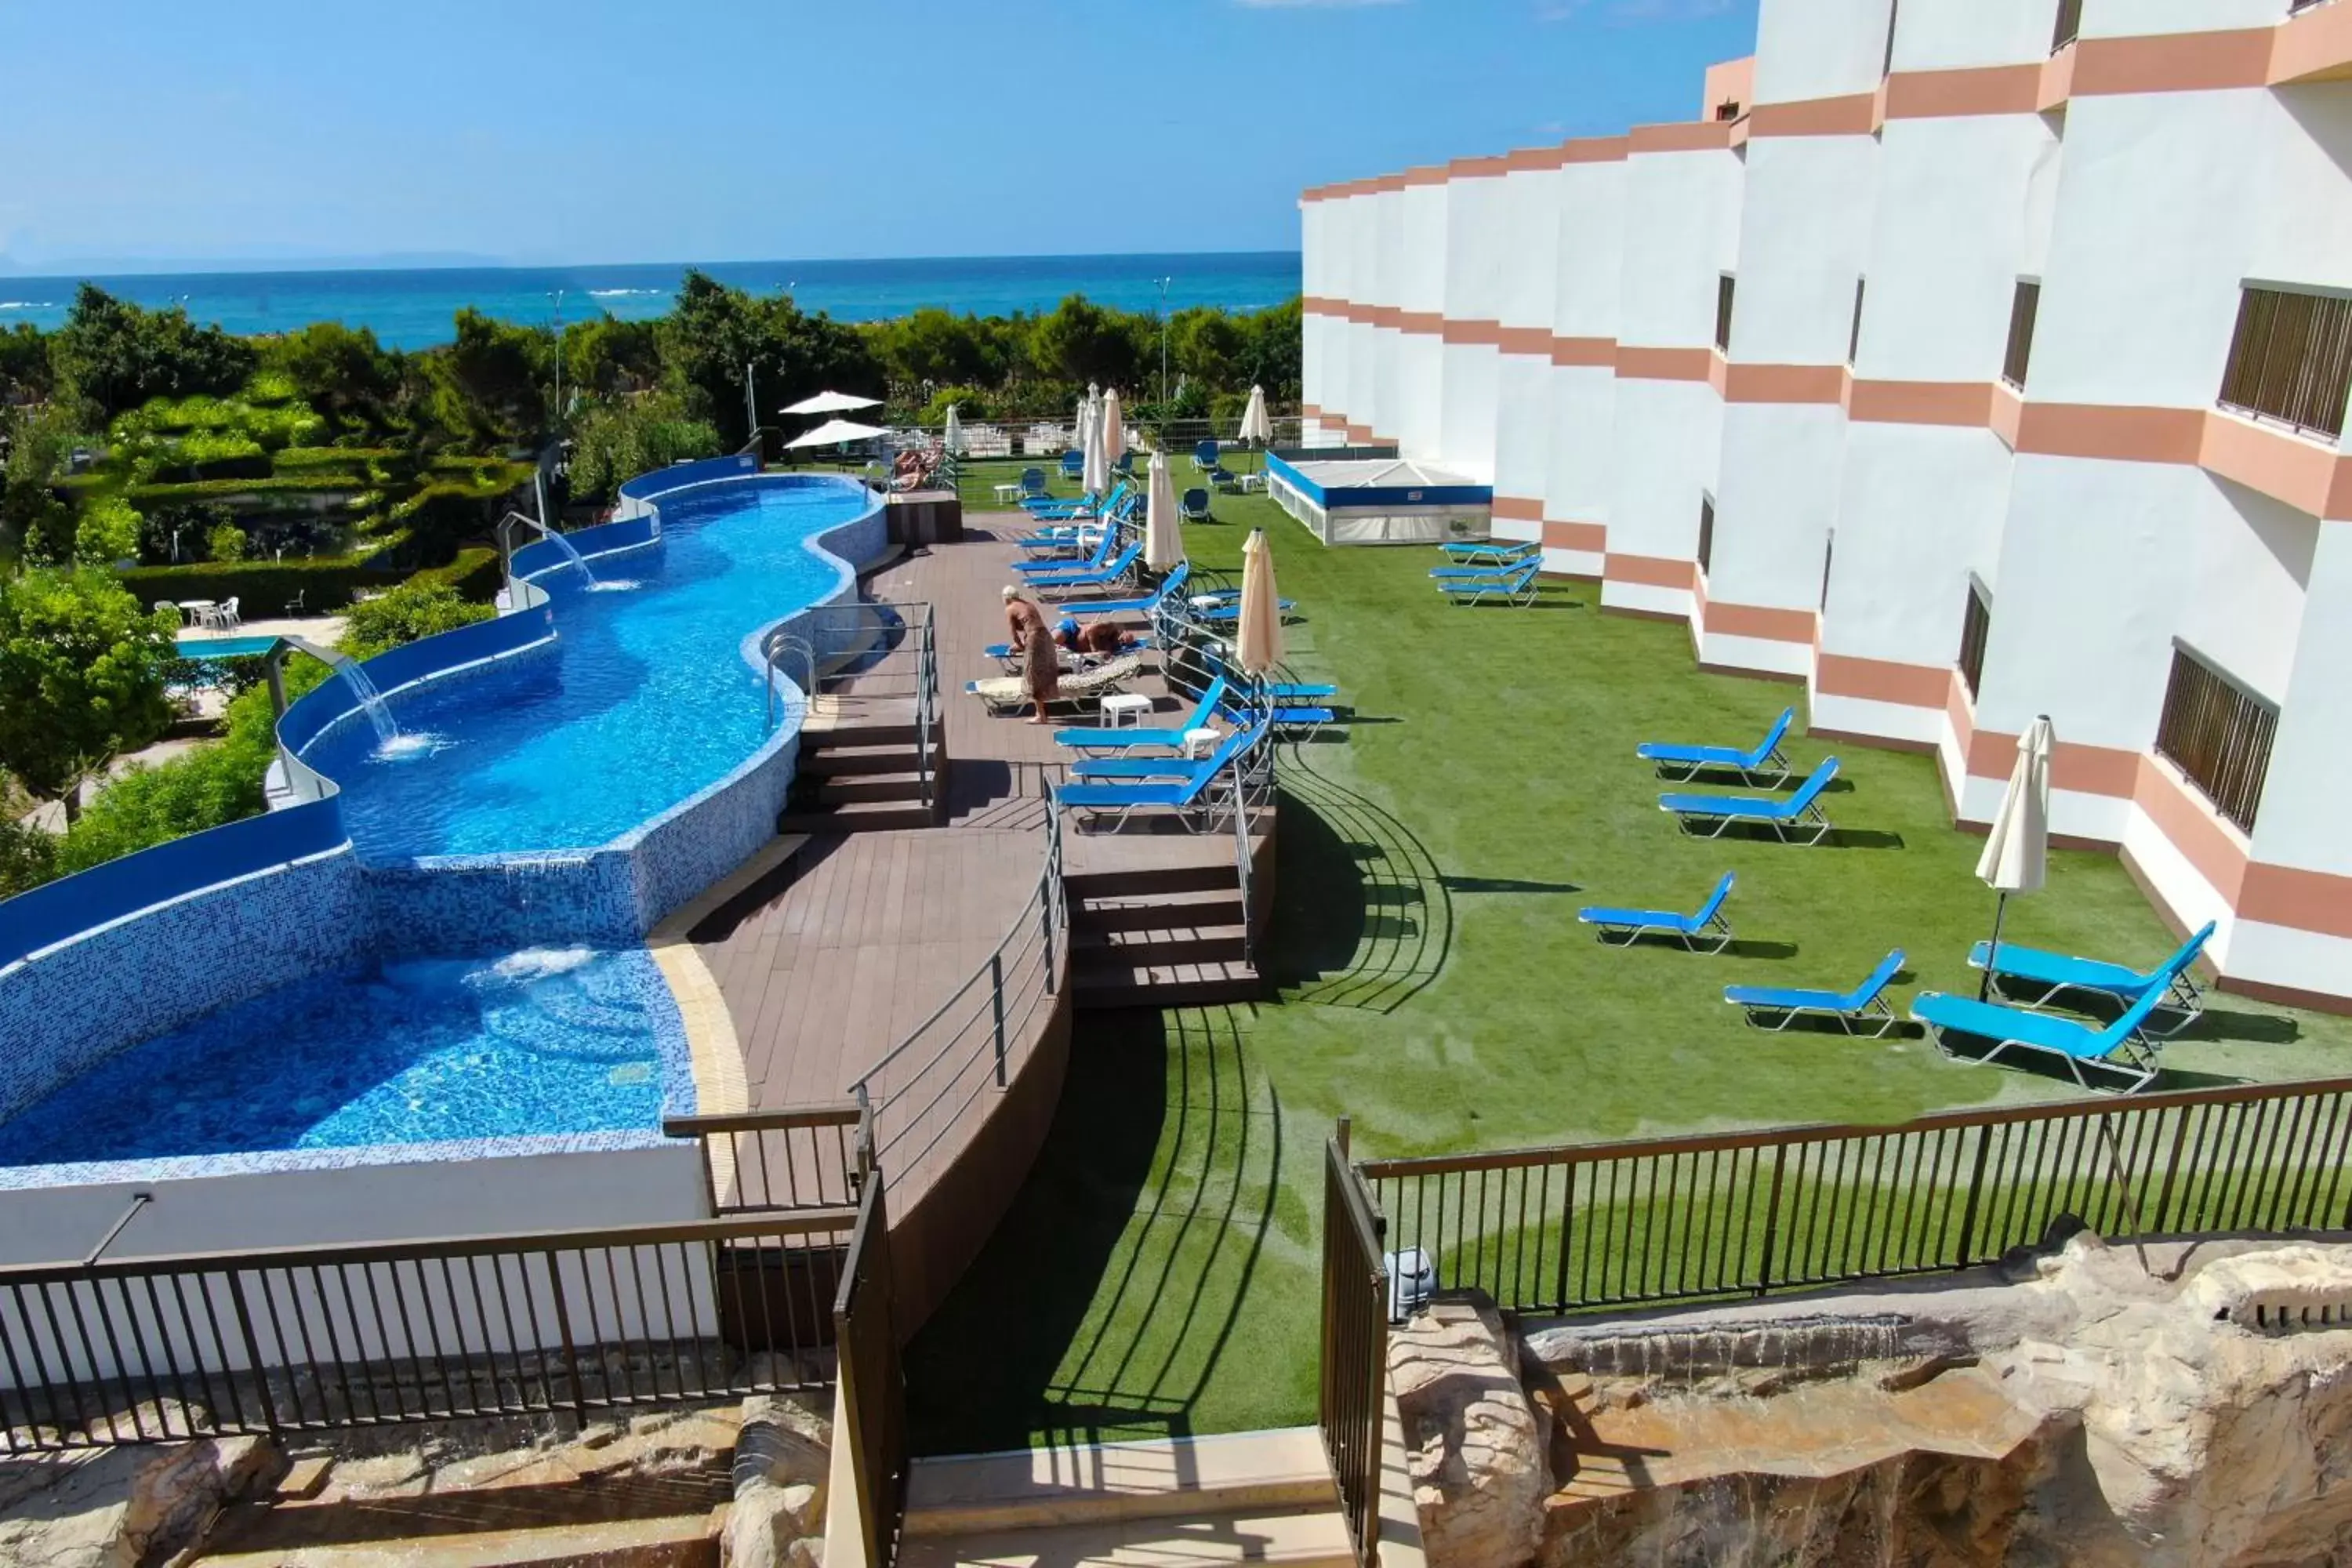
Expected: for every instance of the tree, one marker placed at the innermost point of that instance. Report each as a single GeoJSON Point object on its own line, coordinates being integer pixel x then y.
{"type": "Point", "coordinates": [613, 442]}
{"type": "Point", "coordinates": [118, 356]}
{"type": "Point", "coordinates": [713, 331]}
{"type": "Point", "coordinates": [607, 357]}
{"type": "Point", "coordinates": [490, 385]}
{"type": "Point", "coordinates": [345, 374]}
{"type": "Point", "coordinates": [25, 372]}
{"type": "Point", "coordinates": [226, 541]}
{"type": "Point", "coordinates": [81, 676]}
{"type": "Point", "coordinates": [1205, 347]}
{"type": "Point", "coordinates": [34, 520]}
{"type": "Point", "coordinates": [1081, 342]}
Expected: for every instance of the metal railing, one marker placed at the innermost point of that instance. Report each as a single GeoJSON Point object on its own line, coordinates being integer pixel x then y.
{"type": "Point", "coordinates": [848, 650]}
{"type": "Point", "coordinates": [103, 1352]}
{"type": "Point", "coordinates": [782, 1161]}
{"type": "Point", "coordinates": [2070, 24]}
{"type": "Point", "coordinates": [873, 1381]}
{"type": "Point", "coordinates": [1050, 437]}
{"type": "Point", "coordinates": [1244, 861]}
{"type": "Point", "coordinates": [1672, 1220]}
{"type": "Point", "coordinates": [974, 1043]}
{"type": "Point", "coordinates": [2291, 359]}
{"type": "Point", "coordinates": [1354, 1372]}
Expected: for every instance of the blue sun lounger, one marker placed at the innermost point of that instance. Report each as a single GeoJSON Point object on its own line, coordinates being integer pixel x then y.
{"type": "Point", "coordinates": [1102, 577]}
{"type": "Point", "coordinates": [1194, 506]}
{"type": "Point", "coordinates": [1865, 1004]}
{"type": "Point", "coordinates": [1186, 794]}
{"type": "Point", "coordinates": [1795, 818]}
{"type": "Point", "coordinates": [1084, 505]}
{"type": "Point", "coordinates": [1227, 607]}
{"type": "Point", "coordinates": [1088, 740]}
{"type": "Point", "coordinates": [2055, 974]}
{"type": "Point", "coordinates": [1512, 585]}
{"type": "Point", "coordinates": [1074, 464]}
{"type": "Point", "coordinates": [1033, 570]}
{"type": "Point", "coordinates": [2122, 1055]}
{"type": "Point", "coordinates": [1705, 931]}
{"type": "Point", "coordinates": [1750, 765]}
{"type": "Point", "coordinates": [1075, 538]}
{"type": "Point", "coordinates": [1489, 552]}
{"type": "Point", "coordinates": [1006, 654]}
{"type": "Point", "coordinates": [1148, 604]}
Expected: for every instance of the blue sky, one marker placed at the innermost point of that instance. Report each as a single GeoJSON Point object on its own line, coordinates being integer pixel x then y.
{"type": "Point", "coordinates": [723, 129]}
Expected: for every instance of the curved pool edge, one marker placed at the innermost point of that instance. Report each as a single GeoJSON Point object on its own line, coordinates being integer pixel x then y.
{"type": "Point", "coordinates": [147, 945]}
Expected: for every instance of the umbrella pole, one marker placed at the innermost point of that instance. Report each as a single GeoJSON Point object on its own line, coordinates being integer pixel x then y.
{"type": "Point", "coordinates": [1992, 954]}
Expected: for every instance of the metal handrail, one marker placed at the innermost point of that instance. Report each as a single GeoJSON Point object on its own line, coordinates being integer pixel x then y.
{"type": "Point", "coordinates": [1242, 862]}
{"type": "Point", "coordinates": [778, 645]}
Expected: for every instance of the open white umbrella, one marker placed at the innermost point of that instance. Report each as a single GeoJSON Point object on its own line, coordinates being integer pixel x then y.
{"type": "Point", "coordinates": [2016, 854]}
{"type": "Point", "coordinates": [952, 436]}
{"type": "Point", "coordinates": [832, 402]}
{"type": "Point", "coordinates": [1257, 427]}
{"type": "Point", "coordinates": [1113, 428]}
{"type": "Point", "coordinates": [835, 433]}
{"type": "Point", "coordinates": [1259, 649]}
{"type": "Point", "coordinates": [1163, 532]}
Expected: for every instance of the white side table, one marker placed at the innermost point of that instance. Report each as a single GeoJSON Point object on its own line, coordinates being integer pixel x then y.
{"type": "Point", "coordinates": [1253, 483]}
{"type": "Point", "coordinates": [1125, 709]}
{"type": "Point", "coordinates": [1008, 494]}
{"type": "Point", "coordinates": [1200, 743]}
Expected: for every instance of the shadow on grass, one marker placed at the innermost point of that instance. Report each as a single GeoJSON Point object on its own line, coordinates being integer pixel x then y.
{"type": "Point", "coordinates": [1503, 885]}
{"type": "Point", "coordinates": [1738, 947]}
{"type": "Point", "coordinates": [1102, 1304]}
{"type": "Point", "coordinates": [1863, 1029]}
{"type": "Point", "coordinates": [2229, 1024]}
{"type": "Point", "coordinates": [1343, 859]}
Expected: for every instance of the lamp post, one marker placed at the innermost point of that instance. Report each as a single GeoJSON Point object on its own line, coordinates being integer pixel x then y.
{"type": "Point", "coordinates": [1164, 283]}
{"type": "Point", "coordinates": [558, 298]}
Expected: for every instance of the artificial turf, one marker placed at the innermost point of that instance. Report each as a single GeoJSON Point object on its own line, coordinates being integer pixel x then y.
{"type": "Point", "coordinates": [1158, 1273]}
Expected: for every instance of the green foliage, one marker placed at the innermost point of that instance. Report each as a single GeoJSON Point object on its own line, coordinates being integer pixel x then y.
{"type": "Point", "coordinates": [490, 385]}
{"type": "Point", "coordinates": [476, 574]}
{"type": "Point", "coordinates": [938, 347]}
{"type": "Point", "coordinates": [968, 402]}
{"type": "Point", "coordinates": [326, 583]}
{"type": "Point", "coordinates": [25, 372]}
{"type": "Point", "coordinates": [609, 358]}
{"type": "Point", "coordinates": [416, 608]}
{"type": "Point", "coordinates": [344, 373]}
{"type": "Point", "coordinates": [117, 356]}
{"type": "Point", "coordinates": [448, 512]}
{"type": "Point", "coordinates": [1082, 341]}
{"type": "Point", "coordinates": [28, 857]}
{"type": "Point", "coordinates": [714, 332]}
{"type": "Point", "coordinates": [225, 544]}
{"type": "Point", "coordinates": [108, 532]}
{"type": "Point", "coordinates": [618, 441]}
{"type": "Point", "coordinates": [33, 520]}
{"type": "Point", "coordinates": [81, 675]}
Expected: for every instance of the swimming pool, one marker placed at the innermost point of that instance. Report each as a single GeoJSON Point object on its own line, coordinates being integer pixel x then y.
{"type": "Point", "coordinates": [644, 700]}
{"type": "Point", "coordinates": [225, 647]}
{"type": "Point", "coordinates": [545, 1041]}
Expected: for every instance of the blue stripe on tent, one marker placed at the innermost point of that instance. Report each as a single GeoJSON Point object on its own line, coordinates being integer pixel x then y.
{"type": "Point", "coordinates": [1352, 497]}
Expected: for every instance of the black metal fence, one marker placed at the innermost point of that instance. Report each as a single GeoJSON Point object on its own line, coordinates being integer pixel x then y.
{"type": "Point", "coordinates": [1672, 1220]}
{"type": "Point", "coordinates": [1355, 1346]}
{"type": "Point", "coordinates": [765, 1162]}
{"type": "Point", "coordinates": [152, 1350]}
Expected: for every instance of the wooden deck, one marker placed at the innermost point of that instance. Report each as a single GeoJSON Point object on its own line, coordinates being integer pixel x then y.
{"type": "Point", "coordinates": [830, 962]}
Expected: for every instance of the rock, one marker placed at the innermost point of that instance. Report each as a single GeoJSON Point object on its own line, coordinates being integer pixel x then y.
{"type": "Point", "coordinates": [1475, 1450]}
{"type": "Point", "coordinates": [807, 1552]}
{"type": "Point", "coordinates": [122, 1506]}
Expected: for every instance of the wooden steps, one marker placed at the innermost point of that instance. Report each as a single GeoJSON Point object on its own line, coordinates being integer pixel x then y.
{"type": "Point", "coordinates": [1160, 936]}
{"type": "Point", "coordinates": [855, 777]}
{"type": "Point", "coordinates": [1254, 1496]}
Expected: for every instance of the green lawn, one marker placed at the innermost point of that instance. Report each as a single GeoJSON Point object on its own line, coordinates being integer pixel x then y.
{"type": "Point", "coordinates": [1158, 1273]}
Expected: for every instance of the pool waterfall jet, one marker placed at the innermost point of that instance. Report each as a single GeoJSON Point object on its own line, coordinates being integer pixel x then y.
{"type": "Point", "coordinates": [564, 547]}
{"type": "Point", "coordinates": [371, 700]}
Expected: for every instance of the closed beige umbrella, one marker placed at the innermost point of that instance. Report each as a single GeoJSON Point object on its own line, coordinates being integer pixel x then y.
{"type": "Point", "coordinates": [1260, 646]}
{"type": "Point", "coordinates": [1114, 430]}
{"type": "Point", "coordinates": [2016, 855]}
{"type": "Point", "coordinates": [1164, 531]}
{"type": "Point", "coordinates": [1257, 428]}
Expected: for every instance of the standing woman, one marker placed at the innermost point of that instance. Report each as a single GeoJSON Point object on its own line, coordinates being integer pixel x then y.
{"type": "Point", "coordinates": [1041, 661]}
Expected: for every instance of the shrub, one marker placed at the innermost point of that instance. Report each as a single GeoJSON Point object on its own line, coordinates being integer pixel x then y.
{"type": "Point", "coordinates": [108, 532]}
{"type": "Point", "coordinates": [418, 608]}
{"type": "Point", "coordinates": [81, 675]}
{"type": "Point", "coordinates": [616, 442]}
{"type": "Point", "coordinates": [225, 544]}
{"type": "Point", "coordinates": [28, 857]}
{"type": "Point", "coordinates": [476, 574]}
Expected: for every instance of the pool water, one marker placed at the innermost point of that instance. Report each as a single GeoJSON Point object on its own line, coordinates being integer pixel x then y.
{"type": "Point", "coordinates": [543, 1041]}
{"type": "Point", "coordinates": [646, 702]}
{"type": "Point", "coordinates": [225, 647]}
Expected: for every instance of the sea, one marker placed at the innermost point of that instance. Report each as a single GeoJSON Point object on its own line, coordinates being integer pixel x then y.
{"type": "Point", "coordinates": [412, 308]}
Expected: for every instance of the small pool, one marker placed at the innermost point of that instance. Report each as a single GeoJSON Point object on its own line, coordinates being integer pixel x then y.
{"type": "Point", "coordinates": [644, 701]}
{"type": "Point", "coordinates": [225, 647]}
{"type": "Point", "coordinates": [545, 1041]}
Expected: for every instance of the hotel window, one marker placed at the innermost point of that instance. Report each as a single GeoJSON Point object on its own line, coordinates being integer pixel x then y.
{"type": "Point", "coordinates": [2219, 733]}
{"type": "Point", "coordinates": [2291, 358]}
{"type": "Point", "coordinates": [1705, 534]}
{"type": "Point", "coordinates": [1723, 290]}
{"type": "Point", "coordinates": [1853, 337]}
{"type": "Point", "coordinates": [1829, 558]}
{"type": "Point", "coordinates": [2070, 24]}
{"type": "Point", "coordinates": [1975, 628]}
{"type": "Point", "coordinates": [2021, 310]}
{"type": "Point", "coordinates": [1893, 9]}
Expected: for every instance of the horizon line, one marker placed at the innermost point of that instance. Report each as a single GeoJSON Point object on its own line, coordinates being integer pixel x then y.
{"type": "Point", "coordinates": [259, 267]}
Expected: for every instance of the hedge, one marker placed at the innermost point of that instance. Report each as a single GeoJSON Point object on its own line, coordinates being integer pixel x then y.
{"type": "Point", "coordinates": [210, 489]}
{"type": "Point", "coordinates": [261, 588]}
{"type": "Point", "coordinates": [476, 574]}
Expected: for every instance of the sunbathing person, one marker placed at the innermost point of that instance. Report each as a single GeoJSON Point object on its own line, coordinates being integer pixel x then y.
{"type": "Point", "coordinates": [1101, 637]}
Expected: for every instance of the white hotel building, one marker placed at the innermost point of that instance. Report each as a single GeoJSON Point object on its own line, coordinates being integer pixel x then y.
{"type": "Point", "coordinates": [1967, 360]}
